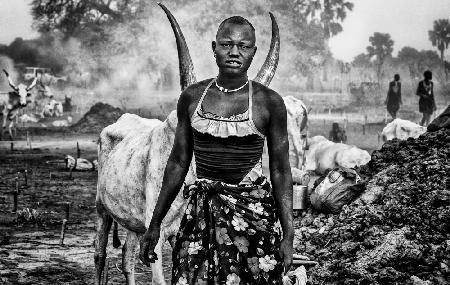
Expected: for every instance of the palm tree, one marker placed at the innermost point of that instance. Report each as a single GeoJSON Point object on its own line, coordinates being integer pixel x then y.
{"type": "Point", "coordinates": [440, 37]}
{"type": "Point", "coordinates": [381, 47]}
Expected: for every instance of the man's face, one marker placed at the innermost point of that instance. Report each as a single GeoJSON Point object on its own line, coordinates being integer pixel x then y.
{"type": "Point", "coordinates": [234, 48]}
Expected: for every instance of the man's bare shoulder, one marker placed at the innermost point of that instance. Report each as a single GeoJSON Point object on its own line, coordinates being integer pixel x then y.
{"type": "Point", "coordinates": [194, 91]}
{"type": "Point", "coordinates": [267, 97]}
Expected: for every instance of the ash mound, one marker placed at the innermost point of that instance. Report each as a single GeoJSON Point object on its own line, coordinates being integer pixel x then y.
{"type": "Point", "coordinates": [398, 231]}
{"type": "Point", "coordinates": [98, 117]}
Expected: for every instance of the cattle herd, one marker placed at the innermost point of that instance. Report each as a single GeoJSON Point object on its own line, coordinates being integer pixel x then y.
{"type": "Point", "coordinates": [13, 102]}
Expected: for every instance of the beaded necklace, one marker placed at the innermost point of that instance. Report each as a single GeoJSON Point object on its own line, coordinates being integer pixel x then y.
{"type": "Point", "coordinates": [223, 89]}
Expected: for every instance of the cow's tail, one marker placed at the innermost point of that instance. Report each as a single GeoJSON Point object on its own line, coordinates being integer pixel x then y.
{"type": "Point", "coordinates": [116, 240]}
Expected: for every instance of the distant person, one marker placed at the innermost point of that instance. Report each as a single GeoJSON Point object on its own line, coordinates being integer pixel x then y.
{"type": "Point", "coordinates": [427, 105]}
{"type": "Point", "coordinates": [394, 97]}
{"type": "Point", "coordinates": [337, 134]}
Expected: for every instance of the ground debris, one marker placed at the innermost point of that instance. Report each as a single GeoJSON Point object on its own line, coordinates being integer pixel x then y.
{"type": "Point", "coordinates": [397, 232]}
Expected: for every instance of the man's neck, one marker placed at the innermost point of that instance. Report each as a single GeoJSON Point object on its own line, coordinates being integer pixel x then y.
{"type": "Point", "coordinates": [231, 81]}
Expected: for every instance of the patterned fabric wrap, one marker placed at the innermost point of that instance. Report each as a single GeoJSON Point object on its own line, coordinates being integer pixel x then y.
{"type": "Point", "coordinates": [229, 234]}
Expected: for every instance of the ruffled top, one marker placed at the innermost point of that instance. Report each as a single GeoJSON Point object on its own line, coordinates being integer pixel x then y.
{"type": "Point", "coordinates": [227, 149]}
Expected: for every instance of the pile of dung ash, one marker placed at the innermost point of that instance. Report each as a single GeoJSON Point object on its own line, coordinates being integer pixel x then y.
{"type": "Point", "coordinates": [398, 231]}
{"type": "Point", "coordinates": [98, 117]}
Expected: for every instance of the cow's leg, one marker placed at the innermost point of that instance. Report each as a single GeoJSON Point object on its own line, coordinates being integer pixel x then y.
{"type": "Point", "coordinates": [129, 250]}
{"type": "Point", "coordinates": [104, 222]}
{"type": "Point", "coordinates": [157, 267]}
{"type": "Point", "coordinates": [3, 126]}
{"type": "Point", "coordinates": [10, 129]}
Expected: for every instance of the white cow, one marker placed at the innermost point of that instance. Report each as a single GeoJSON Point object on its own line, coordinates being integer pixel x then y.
{"type": "Point", "coordinates": [52, 108]}
{"type": "Point", "coordinates": [12, 102]}
{"type": "Point", "coordinates": [62, 123]}
{"type": "Point", "coordinates": [322, 154]}
{"type": "Point", "coordinates": [402, 129]}
{"type": "Point", "coordinates": [132, 155]}
{"type": "Point", "coordinates": [81, 163]}
{"type": "Point", "coordinates": [28, 118]}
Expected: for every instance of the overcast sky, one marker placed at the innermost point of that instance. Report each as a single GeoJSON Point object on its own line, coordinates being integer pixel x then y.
{"type": "Point", "coordinates": [407, 21]}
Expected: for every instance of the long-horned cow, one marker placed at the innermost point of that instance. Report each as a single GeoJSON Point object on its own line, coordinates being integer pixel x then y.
{"type": "Point", "coordinates": [132, 154]}
{"type": "Point", "coordinates": [13, 101]}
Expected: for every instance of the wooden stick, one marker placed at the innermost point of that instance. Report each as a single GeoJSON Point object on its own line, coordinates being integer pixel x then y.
{"type": "Point", "coordinates": [67, 208]}
{"type": "Point", "coordinates": [25, 177]}
{"type": "Point", "coordinates": [63, 232]}
{"type": "Point", "coordinates": [17, 182]}
{"type": "Point", "coordinates": [78, 151]}
{"type": "Point", "coordinates": [15, 194]}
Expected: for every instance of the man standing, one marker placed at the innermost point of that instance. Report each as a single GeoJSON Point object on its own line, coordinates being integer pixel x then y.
{"type": "Point", "coordinates": [394, 96]}
{"type": "Point", "coordinates": [427, 105]}
{"type": "Point", "coordinates": [230, 231]}
{"type": "Point", "coordinates": [337, 134]}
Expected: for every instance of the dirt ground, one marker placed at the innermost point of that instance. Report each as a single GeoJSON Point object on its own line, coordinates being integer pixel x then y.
{"type": "Point", "coordinates": [29, 249]}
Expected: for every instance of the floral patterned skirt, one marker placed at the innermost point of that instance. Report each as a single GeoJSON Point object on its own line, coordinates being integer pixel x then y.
{"type": "Point", "coordinates": [229, 234]}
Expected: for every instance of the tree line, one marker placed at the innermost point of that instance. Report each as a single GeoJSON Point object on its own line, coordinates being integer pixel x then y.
{"type": "Point", "coordinates": [381, 47]}
{"type": "Point", "coordinates": [308, 25]}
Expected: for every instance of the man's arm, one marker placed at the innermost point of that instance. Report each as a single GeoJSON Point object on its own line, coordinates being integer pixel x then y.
{"type": "Point", "coordinates": [419, 90]}
{"type": "Point", "coordinates": [280, 172]}
{"type": "Point", "coordinates": [174, 175]}
{"type": "Point", "coordinates": [388, 93]}
{"type": "Point", "coordinates": [177, 164]}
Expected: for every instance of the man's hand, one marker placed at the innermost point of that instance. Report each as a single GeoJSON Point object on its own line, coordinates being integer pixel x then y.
{"type": "Point", "coordinates": [286, 253]}
{"type": "Point", "coordinates": [148, 244]}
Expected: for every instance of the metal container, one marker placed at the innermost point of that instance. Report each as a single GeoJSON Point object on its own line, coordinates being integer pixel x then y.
{"type": "Point", "coordinates": [299, 198]}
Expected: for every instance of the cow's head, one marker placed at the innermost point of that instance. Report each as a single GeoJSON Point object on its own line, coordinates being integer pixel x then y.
{"type": "Point", "coordinates": [22, 91]}
{"type": "Point", "coordinates": [187, 76]}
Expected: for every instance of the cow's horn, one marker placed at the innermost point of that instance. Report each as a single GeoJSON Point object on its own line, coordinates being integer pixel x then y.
{"type": "Point", "coordinates": [187, 76]}
{"type": "Point", "coordinates": [269, 67]}
{"type": "Point", "coordinates": [11, 83]}
{"type": "Point", "coordinates": [32, 84]}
